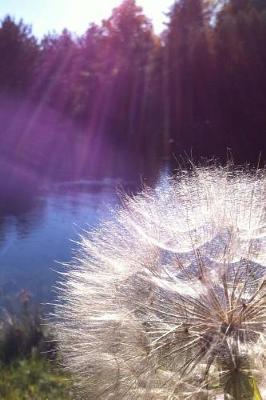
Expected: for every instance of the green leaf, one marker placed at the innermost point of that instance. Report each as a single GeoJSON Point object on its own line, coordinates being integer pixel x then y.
{"type": "Point", "coordinates": [256, 392]}
{"type": "Point", "coordinates": [242, 387]}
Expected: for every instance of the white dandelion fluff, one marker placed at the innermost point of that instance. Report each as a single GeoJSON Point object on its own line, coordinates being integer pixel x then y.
{"type": "Point", "coordinates": [167, 300]}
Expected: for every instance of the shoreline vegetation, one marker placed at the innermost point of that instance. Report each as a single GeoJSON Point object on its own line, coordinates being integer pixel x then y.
{"type": "Point", "coordinates": [30, 368]}
{"type": "Point", "coordinates": [34, 378]}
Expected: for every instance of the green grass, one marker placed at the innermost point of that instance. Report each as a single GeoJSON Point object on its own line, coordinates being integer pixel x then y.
{"type": "Point", "coordinates": [34, 378]}
{"type": "Point", "coordinates": [28, 354]}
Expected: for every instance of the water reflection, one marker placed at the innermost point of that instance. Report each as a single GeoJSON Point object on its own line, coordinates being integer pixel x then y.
{"type": "Point", "coordinates": [33, 244]}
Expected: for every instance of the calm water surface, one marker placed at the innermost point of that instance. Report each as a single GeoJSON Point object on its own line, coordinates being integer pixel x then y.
{"type": "Point", "coordinates": [34, 243]}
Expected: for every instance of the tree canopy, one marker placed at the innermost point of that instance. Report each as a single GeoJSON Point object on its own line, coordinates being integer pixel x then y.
{"type": "Point", "coordinates": [197, 89]}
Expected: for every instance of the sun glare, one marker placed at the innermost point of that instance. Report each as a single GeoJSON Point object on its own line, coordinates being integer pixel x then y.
{"type": "Point", "coordinates": [76, 15]}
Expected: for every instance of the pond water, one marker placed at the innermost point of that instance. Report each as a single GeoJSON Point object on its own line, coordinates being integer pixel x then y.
{"type": "Point", "coordinates": [35, 243]}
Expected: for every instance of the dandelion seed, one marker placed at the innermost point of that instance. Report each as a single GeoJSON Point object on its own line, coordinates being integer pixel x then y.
{"type": "Point", "coordinates": [167, 300]}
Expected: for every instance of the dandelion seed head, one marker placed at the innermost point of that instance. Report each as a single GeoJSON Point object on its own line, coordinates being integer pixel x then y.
{"type": "Point", "coordinates": [167, 299]}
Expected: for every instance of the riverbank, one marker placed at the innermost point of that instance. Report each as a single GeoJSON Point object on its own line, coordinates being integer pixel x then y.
{"type": "Point", "coordinates": [34, 378]}
{"type": "Point", "coordinates": [29, 363]}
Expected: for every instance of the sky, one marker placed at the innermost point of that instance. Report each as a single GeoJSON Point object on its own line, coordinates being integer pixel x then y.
{"type": "Point", "coordinates": [54, 15]}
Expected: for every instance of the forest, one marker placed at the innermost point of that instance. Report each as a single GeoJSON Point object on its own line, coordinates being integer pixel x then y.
{"type": "Point", "coordinates": [121, 100]}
